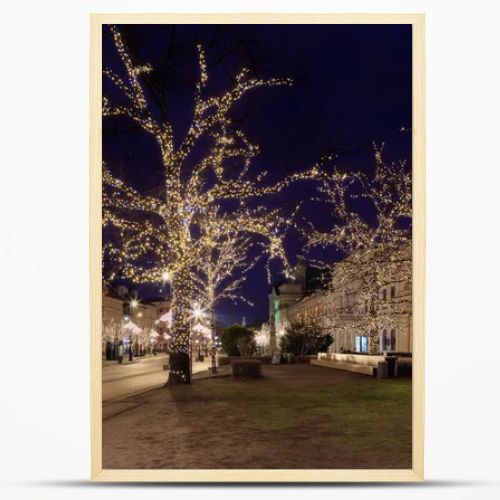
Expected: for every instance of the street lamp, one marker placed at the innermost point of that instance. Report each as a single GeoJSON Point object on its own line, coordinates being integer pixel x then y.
{"type": "Point", "coordinates": [197, 312]}
{"type": "Point", "coordinates": [134, 304]}
{"type": "Point", "coordinates": [166, 278]}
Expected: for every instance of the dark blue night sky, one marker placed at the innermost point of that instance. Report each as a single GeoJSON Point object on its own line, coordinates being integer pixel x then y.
{"type": "Point", "coordinates": [352, 87]}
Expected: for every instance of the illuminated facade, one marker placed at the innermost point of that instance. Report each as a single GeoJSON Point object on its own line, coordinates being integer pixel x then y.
{"type": "Point", "coordinates": [119, 308]}
{"type": "Point", "coordinates": [344, 312]}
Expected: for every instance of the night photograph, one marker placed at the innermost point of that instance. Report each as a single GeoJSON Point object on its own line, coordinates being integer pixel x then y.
{"type": "Point", "coordinates": [257, 246]}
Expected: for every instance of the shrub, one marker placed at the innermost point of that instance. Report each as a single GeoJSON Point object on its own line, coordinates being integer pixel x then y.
{"type": "Point", "coordinates": [305, 339]}
{"type": "Point", "coordinates": [237, 340]}
{"type": "Point", "coordinates": [304, 359]}
{"type": "Point", "coordinates": [265, 360]}
{"type": "Point", "coordinates": [246, 368]}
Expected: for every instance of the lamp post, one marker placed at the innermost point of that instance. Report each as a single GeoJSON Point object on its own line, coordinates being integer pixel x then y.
{"type": "Point", "coordinates": [213, 353]}
{"type": "Point", "coordinates": [134, 303]}
{"type": "Point", "coordinates": [197, 313]}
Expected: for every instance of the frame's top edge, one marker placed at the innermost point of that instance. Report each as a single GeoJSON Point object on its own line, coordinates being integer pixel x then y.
{"type": "Point", "coordinates": [262, 17]}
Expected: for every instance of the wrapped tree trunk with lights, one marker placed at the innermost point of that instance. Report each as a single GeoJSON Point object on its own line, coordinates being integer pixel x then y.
{"type": "Point", "coordinates": [149, 236]}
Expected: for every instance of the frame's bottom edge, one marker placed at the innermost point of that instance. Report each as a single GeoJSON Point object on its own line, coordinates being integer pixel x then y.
{"type": "Point", "coordinates": [228, 476]}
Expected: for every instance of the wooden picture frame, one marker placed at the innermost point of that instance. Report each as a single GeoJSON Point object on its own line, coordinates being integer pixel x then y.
{"type": "Point", "coordinates": [416, 473]}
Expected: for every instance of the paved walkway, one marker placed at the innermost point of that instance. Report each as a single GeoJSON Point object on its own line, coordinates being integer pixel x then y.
{"type": "Point", "coordinates": [145, 373]}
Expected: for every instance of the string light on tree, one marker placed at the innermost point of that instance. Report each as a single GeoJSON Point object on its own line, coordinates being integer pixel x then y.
{"type": "Point", "coordinates": [377, 254]}
{"type": "Point", "coordinates": [151, 234]}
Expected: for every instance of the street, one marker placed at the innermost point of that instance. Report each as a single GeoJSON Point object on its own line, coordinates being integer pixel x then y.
{"type": "Point", "coordinates": [121, 381]}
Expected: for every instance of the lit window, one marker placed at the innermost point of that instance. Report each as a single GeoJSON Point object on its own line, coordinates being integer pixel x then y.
{"type": "Point", "coordinates": [388, 340]}
{"type": "Point", "coordinates": [361, 344]}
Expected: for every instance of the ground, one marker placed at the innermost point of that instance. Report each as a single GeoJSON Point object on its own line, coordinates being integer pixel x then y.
{"type": "Point", "coordinates": [297, 416]}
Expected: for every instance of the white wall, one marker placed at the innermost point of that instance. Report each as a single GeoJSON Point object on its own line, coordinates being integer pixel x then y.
{"type": "Point", "coordinates": [43, 245]}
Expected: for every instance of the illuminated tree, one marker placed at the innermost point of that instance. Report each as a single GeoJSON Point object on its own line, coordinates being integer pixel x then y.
{"type": "Point", "coordinates": [378, 253]}
{"type": "Point", "coordinates": [223, 267]}
{"type": "Point", "coordinates": [112, 332]}
{"type": "Point", "coordinates": [263, 337]}
{"type": "Point", "coordinates": [153, 235]}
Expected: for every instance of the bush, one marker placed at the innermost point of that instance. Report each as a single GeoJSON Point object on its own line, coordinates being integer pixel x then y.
{"type": "Point", "coordinates": [265, 360]}
{"type": "Point", "coordinates": [304, 359]}
{"type": "Point", "coordinates": [303, 342]}
{"type": "Point", "coordinates": [246, 368]}
{"type": "Point", "coordinates": [237, 340]}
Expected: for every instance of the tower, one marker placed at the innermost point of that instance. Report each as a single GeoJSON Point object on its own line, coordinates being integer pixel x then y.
{"type": "Point", "coordinates": [300, 272]}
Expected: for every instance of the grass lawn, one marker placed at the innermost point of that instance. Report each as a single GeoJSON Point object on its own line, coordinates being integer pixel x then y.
{"type": "Point", "coordinates": [298, 416]}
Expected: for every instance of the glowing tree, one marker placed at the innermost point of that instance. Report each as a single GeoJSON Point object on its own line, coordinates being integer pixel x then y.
{"type": "Point", "coordinates": [150, 236]}
{"type": "Point", "coordinates": [378, 253]}
{"type": "Point", "coordinates": [112, 331]}
{"type": "Point", "coordinates": [263, 337]}
{"type": "Point", "coordinates": [224, 265]}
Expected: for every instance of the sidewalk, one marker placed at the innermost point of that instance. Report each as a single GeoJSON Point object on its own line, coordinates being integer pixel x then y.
{"type": "Point", "coordinates": [122, 381]}
{"type": "Point", "coordinates": [136, 359]}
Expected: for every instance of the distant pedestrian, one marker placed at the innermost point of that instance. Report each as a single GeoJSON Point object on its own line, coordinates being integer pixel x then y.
{"type": "Point", "coordinates": [130, 354]}
{"type": "Point", "coordinates": [120, 352]}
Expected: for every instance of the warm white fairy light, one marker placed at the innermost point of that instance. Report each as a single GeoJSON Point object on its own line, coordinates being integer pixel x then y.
{"type": "Point", "coordinates": [197, 312]}
{"type": "Point", "coordinates": [155, 234]}
{"type": "Point", "coordinates": [112, 330]}
{"type": "Point", "coordinates": [378, 254]}
{"type": "Point", "coordinates": [262, 336]}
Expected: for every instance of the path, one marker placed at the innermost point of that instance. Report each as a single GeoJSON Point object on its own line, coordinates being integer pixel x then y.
{"type": "Point", "coordinates": [121, 381]}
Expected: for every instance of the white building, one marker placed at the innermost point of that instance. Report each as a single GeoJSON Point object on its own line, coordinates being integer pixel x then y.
{"type": "Point", "coordinates": [344, 312]}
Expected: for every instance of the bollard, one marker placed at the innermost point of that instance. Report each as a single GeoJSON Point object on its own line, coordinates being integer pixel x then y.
{"type": "Point", "coordinates": [391, 366]}
{"type": "Point", "coordinates": [382, 371]}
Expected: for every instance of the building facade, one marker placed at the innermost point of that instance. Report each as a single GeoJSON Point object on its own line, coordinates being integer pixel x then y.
{"type": "Point", "coordinates": [347, 312]}
{"type": "Point", "coordinates": [119, 309]}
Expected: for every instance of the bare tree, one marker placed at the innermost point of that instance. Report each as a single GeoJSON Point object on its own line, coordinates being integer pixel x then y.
{"type": "Point", "coordinates": [157, 234]}
{"type": "Point", "coordinates": [378, 254]}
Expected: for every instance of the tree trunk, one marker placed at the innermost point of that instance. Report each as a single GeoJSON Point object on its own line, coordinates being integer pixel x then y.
{"type": "Point", "coordinates": [179, 372]}
{"type": "Point", "coordinates": [179, 369]}
{"type": "Point", "coordinates": [373, 340]}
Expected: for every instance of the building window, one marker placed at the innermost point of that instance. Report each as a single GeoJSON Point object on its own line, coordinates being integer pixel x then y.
{"type": "Point", "coordinates": [384, 294]}
{"type": "Point", "coordinates": [388, 340]}
{"type": "Point", "coordinates": [393, 292]}
{"type": "Point", "coordinates": [361, 344]}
